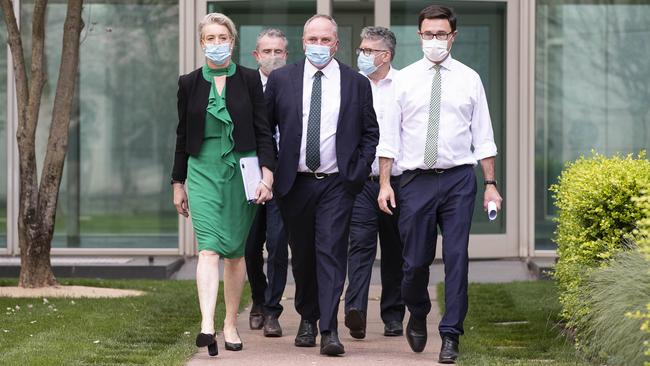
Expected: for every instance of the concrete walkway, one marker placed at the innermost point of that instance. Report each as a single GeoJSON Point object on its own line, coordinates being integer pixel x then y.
{"type": "Point", "coordinates": [375, 349]}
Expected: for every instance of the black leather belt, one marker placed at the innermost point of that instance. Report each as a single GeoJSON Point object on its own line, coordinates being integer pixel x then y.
{"type": "Point", "coordinates": [409, 175]}
{"type": "Point", "coordinates": [315, 175]}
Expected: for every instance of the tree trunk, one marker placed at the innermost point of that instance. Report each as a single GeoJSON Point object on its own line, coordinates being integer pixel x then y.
{"type": "Point", "coordinates": [37, 205]}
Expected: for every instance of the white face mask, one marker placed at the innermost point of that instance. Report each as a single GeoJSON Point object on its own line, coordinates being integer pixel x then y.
{"type": "Point", "coordinates": [435, 50]}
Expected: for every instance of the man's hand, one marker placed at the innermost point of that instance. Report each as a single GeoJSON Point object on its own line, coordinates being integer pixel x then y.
{"type": "Point", "coordinates": [491, 194]}
{"type": "Point", "coordinates": [386, 195]}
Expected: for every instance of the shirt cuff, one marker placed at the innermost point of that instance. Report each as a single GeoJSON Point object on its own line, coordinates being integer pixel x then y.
{"type": "Point", "coordinates": [485, 151]}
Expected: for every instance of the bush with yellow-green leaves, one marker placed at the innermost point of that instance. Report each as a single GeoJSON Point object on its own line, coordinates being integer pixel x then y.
{"type": "Point", "coordinates": [596, 221]}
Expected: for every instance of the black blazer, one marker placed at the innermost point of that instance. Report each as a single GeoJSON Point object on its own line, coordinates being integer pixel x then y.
{"type": "Point", "coordinates": [245, 104]}
{"type": "Point", "coordinates": [357, 131]}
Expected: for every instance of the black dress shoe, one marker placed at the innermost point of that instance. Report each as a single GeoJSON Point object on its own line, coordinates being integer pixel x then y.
{"type": "Point", "coordinates": [449, 350]}
{"type": "Point", "coordinates": [355, 320]}
{"type": "Point", "coordinates": [272, 326]}
{"type": "Point", "coordinates": [306, 334]}
{"type": "Point", "coordinates": [233, 346]}
{"type": "Point", "coordinates": [330, 344]}
{"type": "Point", "coordinates": [256, 317]}
{"type": "Point", "coordinates": [204, 339]}
{"type": "Point", "coordinates": [393, 329]}
{"type": "Point", "coordinates": [416, 333]}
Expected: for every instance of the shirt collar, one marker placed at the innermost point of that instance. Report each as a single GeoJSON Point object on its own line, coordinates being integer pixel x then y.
{"type": "Point", "coordinates": [446, 64]}
{"type": "Point", "coordinates": [263, 77]}
{"type": "Point", "coordinates": [328, 71]}
{"type": "Point", "coordinates": [392, 73]}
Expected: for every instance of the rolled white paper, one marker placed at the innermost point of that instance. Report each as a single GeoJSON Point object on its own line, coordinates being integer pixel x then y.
{"type": "Point", "coordinates": [492, 210]}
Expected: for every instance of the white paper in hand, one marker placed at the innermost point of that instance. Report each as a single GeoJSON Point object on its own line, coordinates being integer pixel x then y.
{"type": "Point", "coordinates": [251, 175]}
{"type": "Point", "coordinates": [492, 210]}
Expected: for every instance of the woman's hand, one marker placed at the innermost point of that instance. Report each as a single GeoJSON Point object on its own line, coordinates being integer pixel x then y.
{"type": "Point", "coordinates": [180, 200]}
{"type": "Point", "coordinates": [264, 190]}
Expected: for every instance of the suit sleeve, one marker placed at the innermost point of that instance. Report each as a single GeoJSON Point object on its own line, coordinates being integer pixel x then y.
{"type": "Point", "coordinates": [179, 170]}
{"type": "Point", "coordinates": [370, 134]}
{"type": "Point", "coordinates": [263, 136]}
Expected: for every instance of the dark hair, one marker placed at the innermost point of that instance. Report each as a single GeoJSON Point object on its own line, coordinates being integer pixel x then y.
{"type": "Point", "coordinates": [437, 12]}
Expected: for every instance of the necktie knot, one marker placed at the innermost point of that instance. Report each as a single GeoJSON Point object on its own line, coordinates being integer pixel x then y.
{"type": "Point", "coordinates": [318, 74]}
{"type": "Point", "coordinates": [436, 67]}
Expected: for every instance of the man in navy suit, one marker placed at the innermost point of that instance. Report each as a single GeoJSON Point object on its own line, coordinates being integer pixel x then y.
{"type": "Point", "coordinates": [328, 135]}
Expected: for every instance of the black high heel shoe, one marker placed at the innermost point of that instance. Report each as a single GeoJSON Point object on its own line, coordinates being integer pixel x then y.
{"type": "Point", "coordinates": [233, 346]}
{"type": "Point", "coordinates": [208, 340]}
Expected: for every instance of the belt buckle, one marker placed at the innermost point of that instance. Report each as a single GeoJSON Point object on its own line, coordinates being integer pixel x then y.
{"type": "Point", "coordinates": [321, 176]}
{"type": "Point", "coordinates": [438, 170]}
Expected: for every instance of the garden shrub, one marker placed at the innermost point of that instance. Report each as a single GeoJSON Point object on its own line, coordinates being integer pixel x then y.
{"type": "Point", "coordinates": [606, 334]}
{"type": "Point", "coordinates": [597, 216]}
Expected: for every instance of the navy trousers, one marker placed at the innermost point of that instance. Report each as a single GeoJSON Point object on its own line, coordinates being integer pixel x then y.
{"type": "Point", "coordinates": [367, 221]}
{"type": "Point", "coordinates": [267, 227]}
{"type": "Point", "coordinates": [428, 200]}
{"type": "Point", "coordinates": [317, 215]}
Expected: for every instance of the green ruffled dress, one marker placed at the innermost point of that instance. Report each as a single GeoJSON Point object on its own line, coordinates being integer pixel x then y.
{"type": "Point", "coordinates": [221, 215]}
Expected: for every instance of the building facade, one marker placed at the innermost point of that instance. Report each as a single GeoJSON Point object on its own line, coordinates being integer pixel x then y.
{"type": "Point", "coordinates": [562, 77]}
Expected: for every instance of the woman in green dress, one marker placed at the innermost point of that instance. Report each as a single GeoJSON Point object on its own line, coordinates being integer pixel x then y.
{"type": "Point", "coordinates": [222, 118]}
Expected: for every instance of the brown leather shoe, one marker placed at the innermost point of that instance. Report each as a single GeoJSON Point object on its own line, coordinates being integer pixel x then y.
{"type": "Point", "coordinates": [272, 326]}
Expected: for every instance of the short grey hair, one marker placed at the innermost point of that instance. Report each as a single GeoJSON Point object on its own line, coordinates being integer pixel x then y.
{"type": "Point", "coordinates": [380, 33]}
{"type": "Point", "coordinates": [218, 18]}
{"type": "Point", "coordinates": [272, 33]}
{"type": "Point", "coordinates": [324, 16]}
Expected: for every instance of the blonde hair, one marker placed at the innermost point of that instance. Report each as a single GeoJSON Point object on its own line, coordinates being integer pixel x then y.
{"type": "Point", "coordinates": [218, 18]}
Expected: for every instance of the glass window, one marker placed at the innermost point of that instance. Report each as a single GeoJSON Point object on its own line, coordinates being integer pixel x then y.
{"type": "Point", "coordinates": [251, 17]}
{"type": "Point", "coordinates": [115, 192]}
{"type": "Point", "coordinates": [351, 17]}
{"type": "Point", "coordinates": [3, 134]}
{"type": "Point", "coordinates": [480, 44]}
{"type": "Point", "coordinates": [591, 93]}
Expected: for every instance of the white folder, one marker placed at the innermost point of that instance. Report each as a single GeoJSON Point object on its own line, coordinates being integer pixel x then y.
{"type": "Point", "coordinates": [251, 175]}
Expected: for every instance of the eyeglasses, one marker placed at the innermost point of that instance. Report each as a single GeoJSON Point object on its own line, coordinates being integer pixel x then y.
{"type": "Point", "coordinates": [441, 36]}
{"type": "Point", "coordinates": [368, 51]}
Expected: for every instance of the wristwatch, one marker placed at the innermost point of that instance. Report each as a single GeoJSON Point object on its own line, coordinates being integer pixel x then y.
{"type": "Point", "coordinates": [487, 181]}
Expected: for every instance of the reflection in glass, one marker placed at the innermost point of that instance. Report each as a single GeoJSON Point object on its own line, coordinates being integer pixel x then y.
{"type": "Point", "coordinates": [480, 44]}
{"type": "Point", "coordinates": [115, 192]}
{"type": "Point", "coordinates": [3, 135]}
{"type": "Point", "coordinates": [251, 17]}
{"type": "Point", "coordinates": [591, 92]}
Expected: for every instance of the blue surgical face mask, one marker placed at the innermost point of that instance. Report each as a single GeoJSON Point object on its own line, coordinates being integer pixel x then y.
{"type": "Point", "coordinates": [318, 55]}
{"type": "Point", "coordinates": [366, 64]}
{"type": "Point", "coordinates": [217, 53]}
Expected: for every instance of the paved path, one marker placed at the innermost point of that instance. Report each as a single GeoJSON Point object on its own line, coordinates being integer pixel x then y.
{"type": "Point", "coordinates": [375, 349]}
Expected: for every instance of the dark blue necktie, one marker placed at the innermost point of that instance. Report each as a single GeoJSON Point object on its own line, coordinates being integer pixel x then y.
{"type": "Point", "coordinates": [312, 158]}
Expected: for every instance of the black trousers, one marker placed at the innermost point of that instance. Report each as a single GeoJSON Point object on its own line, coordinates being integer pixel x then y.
{"type": "Point", "coordinates": [429, 200]}
{"type": "Point", "coordinates": [368, 221]}
{"type": "Point", "coordinates": [317, 215]}
{"type": "Point", "coordinates": [268, 227]}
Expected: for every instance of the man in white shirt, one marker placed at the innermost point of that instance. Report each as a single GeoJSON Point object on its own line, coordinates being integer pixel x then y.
{"type": "Point", "coordinates": [270, 53]}
{"type": "Point", "coordinates": [328, 137]}
{"type": "Point", "coordinates": [375, 54]}
{"type": "Point", "coordinates": [445, 129]}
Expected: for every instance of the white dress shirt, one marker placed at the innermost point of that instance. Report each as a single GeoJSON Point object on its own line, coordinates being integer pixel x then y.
{"type": "Point", "coordinates": [383, 101]}
{"type": "Point", "coordinates": [329, 115]}
{"type": "Point", "coordinates": [464, 115]}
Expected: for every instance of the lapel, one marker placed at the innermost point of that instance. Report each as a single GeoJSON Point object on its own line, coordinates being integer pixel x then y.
{"type": "Point", "coordinates": [346, 87]}
{"type": "Point", "coordinates": [297, 75]}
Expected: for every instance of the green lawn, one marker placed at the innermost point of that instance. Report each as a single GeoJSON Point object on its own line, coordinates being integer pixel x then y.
{"type": "Point", "coordinates": [155, 329]}
{"type": "Point", "coordinates": [513, 324]}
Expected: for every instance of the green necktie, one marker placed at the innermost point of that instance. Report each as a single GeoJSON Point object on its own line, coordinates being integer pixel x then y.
{"type": "Point", "coordinates": [431, 146]}
{"type": "Point", "coordinates": [312, 154]}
